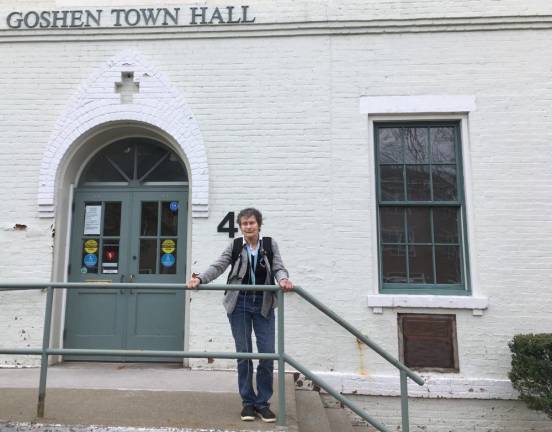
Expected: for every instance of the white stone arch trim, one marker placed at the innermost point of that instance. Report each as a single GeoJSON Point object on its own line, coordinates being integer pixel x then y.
{"type": "Point", "coordinates": [96, 103]}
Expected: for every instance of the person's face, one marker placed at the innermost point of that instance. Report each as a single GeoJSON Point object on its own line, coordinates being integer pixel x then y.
{"type": "Point", "coordinates": [249, 227]}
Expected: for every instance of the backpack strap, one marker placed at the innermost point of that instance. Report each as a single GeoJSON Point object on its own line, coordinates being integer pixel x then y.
{"type": "Point", "coordinates": [237, 247]}
{"type": "Point", "coordinates": [266, 248]}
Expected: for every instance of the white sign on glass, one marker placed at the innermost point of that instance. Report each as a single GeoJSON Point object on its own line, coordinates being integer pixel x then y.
{"type": "Point", "coordinates": [92, 219]}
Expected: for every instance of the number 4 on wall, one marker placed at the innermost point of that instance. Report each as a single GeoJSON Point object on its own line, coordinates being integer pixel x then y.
{"type": "Point", "coordinates": [231, 229]}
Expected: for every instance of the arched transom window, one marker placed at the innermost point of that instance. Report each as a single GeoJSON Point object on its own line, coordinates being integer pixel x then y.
{"type": "Point", "coordinates": [134, 162]}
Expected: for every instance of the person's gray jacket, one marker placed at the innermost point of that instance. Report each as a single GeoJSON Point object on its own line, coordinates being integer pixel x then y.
{"type": "Point", "coordinates": [231, 297]}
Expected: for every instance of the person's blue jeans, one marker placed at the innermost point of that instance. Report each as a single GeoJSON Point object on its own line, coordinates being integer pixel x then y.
{"type": "Point", "coordinates": [245, 317]}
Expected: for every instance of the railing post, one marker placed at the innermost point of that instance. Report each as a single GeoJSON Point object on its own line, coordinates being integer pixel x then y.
{"type": "Point", "coordinates": [44, 356]}
{"type": "Point", "coordinates": [281, 362]}
{"type": "Point", "coordinates": [404, 403]}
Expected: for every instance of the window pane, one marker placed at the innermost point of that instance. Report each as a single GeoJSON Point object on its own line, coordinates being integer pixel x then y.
{"type": "Point", "coordinates": [445, 223]}
{"type": "Point", "coordinates": [442, 144]}
{"type": "Point", "coordinates": [394, 264]}
{"type": "Point", "coordinates": [447, 262]}
{"type": "Point", "coordinates": [444, 183]}
{"type": "Point", "coordinates": [149, 219]}
{"type": "Point", "coordinates": [420, 261]}
{"type": "Point", "coordinates": [416, 145]}
{"type": "Point", "coordinates": [148, 256]}
{"type": "Point", "coordinates": [392, 184]}
{"type": "Point", "coordinates": [122, 154]}
{"type": "Point", "coordinates": [392, 224]}
{"type": "Point", "coordinates": [110, 256]}
{"type": "Point", "coordinates": [169, 170]}
{"type": "Point", "coordinates": [418, 225]}
{"type": "Point", "coordinates": [390, 146]}
{"type": "Point", "coordinates": [148, 155]}
{"type": "Point", "coordinates": [112, 219]}
{"type": "Point", "coordinates": [100, 170]}
{"type": "Point", "coordinates": [169, 218]}
{"type": "Point", "coordinates": [417, 183]}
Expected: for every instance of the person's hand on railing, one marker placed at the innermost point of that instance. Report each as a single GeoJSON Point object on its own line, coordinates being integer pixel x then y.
{"type": "Point", "coordinates": [285, 284]}
{"type": "Point", "coordinates": [194, 282]}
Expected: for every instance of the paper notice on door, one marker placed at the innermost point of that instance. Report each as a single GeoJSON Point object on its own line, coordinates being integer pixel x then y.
{"type": "Point", "coordinates": [92, 219]}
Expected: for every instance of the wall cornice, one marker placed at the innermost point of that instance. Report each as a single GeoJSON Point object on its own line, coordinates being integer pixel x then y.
{"type": "Point", "coordinates": [283, 29]}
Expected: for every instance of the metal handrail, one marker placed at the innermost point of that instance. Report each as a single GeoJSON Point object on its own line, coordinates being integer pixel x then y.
{"type": "Point", "coordinates": [280, 356]}
{"type": "Point", "coordinates": [363, 338]}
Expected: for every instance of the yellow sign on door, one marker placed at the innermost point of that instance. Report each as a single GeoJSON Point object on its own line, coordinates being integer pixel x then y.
{"type": "Point", "coordinates": [168, 246]}
{"type": "Point", "coordinates": [91, 246]}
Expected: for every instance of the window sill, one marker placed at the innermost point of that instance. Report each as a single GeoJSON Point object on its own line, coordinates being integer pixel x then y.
{"type": "Point", "coordinates": [379, 301]}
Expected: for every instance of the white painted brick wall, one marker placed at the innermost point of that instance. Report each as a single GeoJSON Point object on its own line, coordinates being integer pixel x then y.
{"type": "Point", "coordinates": [280, 123]}
{"type": "Point", "coordinates": [428, 415]}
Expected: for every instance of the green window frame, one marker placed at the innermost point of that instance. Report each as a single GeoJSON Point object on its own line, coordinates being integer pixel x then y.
{"type": "Point", "coordinates": [422, 241]}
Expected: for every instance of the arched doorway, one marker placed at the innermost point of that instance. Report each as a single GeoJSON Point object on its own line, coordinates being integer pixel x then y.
{"type": "Point", "coordinates": [129, 225]}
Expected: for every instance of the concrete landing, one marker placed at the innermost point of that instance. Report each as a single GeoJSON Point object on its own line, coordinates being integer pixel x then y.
{"type": "Point", "coordinates": [151, 397]}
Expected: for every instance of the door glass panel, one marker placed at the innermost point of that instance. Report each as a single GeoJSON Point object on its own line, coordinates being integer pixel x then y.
{"type": "Point", "coordinates": [148, 256]}
{"type": "Point", "coordinates": [169, 218]}
{"type": "Point", "coordinates": [89, 255]}
{"type": "Point", "coordinates": [167, 257]}
{"type": "Point", "coordinates": [110, 256]}
{"type": "Point", "coordinates": [149, 219]}
{"type": "Point", "coordinates": [112, 219]}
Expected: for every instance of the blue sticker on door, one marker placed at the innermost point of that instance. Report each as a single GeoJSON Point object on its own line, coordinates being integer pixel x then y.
{"type": "Point", "coordinates": [90, 260]}
{"type": "Point", "coordinates": [167, 260]}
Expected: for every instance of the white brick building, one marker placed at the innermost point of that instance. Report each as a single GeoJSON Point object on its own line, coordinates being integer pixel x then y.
{"type": "Point", "coordinates": [287, 110]}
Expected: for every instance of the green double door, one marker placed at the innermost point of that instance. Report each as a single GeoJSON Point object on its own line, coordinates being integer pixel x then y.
{"type": "Point", "coordinates": [127, 236]}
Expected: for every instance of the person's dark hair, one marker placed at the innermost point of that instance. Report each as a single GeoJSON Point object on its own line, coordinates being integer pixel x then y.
{"type": "Point", "coordinates": [248, 212]}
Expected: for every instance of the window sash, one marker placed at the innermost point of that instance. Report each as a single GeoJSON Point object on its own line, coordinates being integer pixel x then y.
{"type": "Point", "coordinates": [461, 288]}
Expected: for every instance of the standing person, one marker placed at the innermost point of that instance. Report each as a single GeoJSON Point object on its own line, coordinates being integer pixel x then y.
{"type": "Point", "coordinates": [254, 260]}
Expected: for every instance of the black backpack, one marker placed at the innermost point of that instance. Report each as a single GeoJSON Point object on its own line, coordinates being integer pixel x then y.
{"type": "Point", "coordinates": [266, 248]}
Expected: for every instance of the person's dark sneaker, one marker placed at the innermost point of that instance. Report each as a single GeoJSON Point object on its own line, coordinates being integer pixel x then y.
{"type": "Point", "coordinates": [266, 415]}
{"type": "Point", "coordinates": [248, 413]}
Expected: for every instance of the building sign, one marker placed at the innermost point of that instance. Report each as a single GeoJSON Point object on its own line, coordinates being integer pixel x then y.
{"type": "Point", "coordinates": [139, 17]}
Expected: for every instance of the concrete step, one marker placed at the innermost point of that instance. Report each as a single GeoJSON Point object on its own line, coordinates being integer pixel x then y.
{"type": "Point", "coordinates": [125, 399]}
{"type": "Point", "coordinates": [311, 414]}
{"type": "Point", "coordinates": [339, 420]}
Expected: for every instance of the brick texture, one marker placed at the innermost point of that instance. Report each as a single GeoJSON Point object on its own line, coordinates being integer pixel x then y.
{"type": "Point", "coordinates": [281, 127]}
